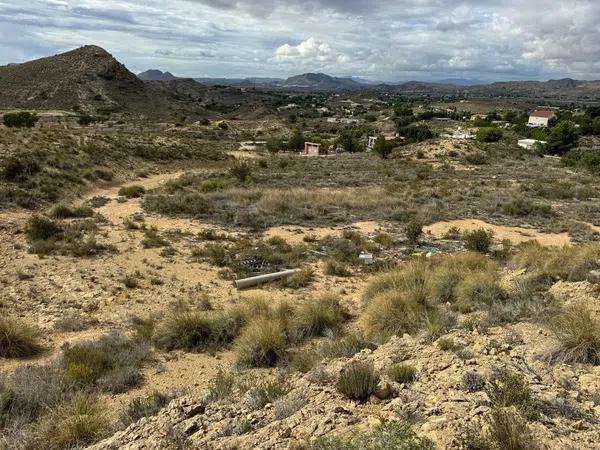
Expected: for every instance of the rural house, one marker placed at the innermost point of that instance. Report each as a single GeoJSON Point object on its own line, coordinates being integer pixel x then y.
{"type": "Point", "coordinates": [540, 118]}
{"type": "Point", "coordinates": [312, 149]}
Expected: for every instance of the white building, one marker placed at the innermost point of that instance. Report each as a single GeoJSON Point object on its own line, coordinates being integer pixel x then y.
{"type": "Point", "coordinates": [529, 143]}
{"type": "Point", "coordinates": [540, 118]}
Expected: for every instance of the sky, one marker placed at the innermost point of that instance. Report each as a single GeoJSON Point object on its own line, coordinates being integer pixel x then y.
{"type": "Point", "coordinates": [389, 40]}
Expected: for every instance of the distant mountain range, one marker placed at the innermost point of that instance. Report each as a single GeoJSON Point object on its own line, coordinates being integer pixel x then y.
{"type": "Point", "coordinates": [90, 80]}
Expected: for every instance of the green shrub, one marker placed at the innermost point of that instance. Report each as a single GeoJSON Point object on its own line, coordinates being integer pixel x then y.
{"type": "Point", "coordinates": [583, 158]}
{"type": "Point", "coordinates": [478, 240]}
{"type": "Point", "coordinates": [489, 134]}
{"type": "Point", "coordinates": [62, 211]}
{"type": "Point", "coordinates": [20, 119]}
{"type": "Point", "coordinates": [21, 167]}
{"type": "Point", "coordinates": [195, 331]}
{"type": "Point", "coordinates": [78, 423]}
{"type": "Point", "coordinates": [389, 435]}
{"type": "Point", "coordinates": [507, 389]}
{"type": "Point", "coordinates": [578, 335]}
{"type": "Point", "coordinates": [221, 385]}
{"type": "Point", "coordinates": [318, 316]}
{"type": "Point", "coordinates": [402, 373]}
{"type": "Point", "coordinates": [42, 228]}
{"type": "Point", "coordinates": [141, 407]}
{"type": "Point", "coordinates": [346, 346]}
{"type": "Point", "coordinates": [261, 344]}
{"type": "Point", "coordinates": [523, 207]}
{"type": "Point", "coordinates": [111, 363]}
{"type": "Point", "coordinates": [17, 339]}
{"type": "Point", "coordinates": [446, 343]}
{"type": "Point", "coordinates": [414, 231]}
{"type": "Point", "coordinates": [358, 380]}
{"type": "Point", "coordinates": [241, 170]}
{"type": "Point", "coordinates": [134, 191]}
{"type": "Point", "coordinates": [336, 268]}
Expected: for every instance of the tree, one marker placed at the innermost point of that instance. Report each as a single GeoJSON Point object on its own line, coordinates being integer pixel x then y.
{"type": "Point", "coordinates": [489, 134]}
{"type": "Point", "coordinates": [297, 141]}
{"type": "Point", "coordinates": [416, 133]}
{"type": "Point", "coordinates": [348, 142]}
{"type": "Point", "coordinates": [274, 145]}
{"type": "Point", "coordinates": [382, 147]}
{"type": "Point", "coordinates": [20, 120]}
{"type": "Point", "coordinates": [563, 137]}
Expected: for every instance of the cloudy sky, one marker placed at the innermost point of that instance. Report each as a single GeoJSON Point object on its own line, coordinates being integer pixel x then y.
{"type": "Point", "coordinates": [376, 39]}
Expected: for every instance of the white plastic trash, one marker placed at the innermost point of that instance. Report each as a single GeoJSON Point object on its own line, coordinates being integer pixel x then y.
{"type": "Point", "coordinates": [366, 258]}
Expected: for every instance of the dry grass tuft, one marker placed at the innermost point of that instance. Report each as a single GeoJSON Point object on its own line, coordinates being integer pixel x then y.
{"type": "Point", "coordinates": [17, 339]}
{"type": "Point", "coordinates": [578, 336]}
{"type": "Point", "coordinates": [358, 380]}
{"type": "Point", "coordinates": [261, 344]}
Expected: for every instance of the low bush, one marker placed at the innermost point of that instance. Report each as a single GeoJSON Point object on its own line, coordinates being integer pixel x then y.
{"type": "Point", "coordinates": [21, 119]}
{"type": "Point", "coordinates": [505, 430]}
{"type": "Point", "coordinates": [112, 363]}
{"type": "Point", "coordinates": [141, 407]}
{"type": "Point", "coordinates": [134, 191]}
{"type": "Point", "coordinates": [414, 231]}
{"type": "Point", "coordinates": [299, 280]}
{"type": "Point", "coordinates": [261, 344]}
{"type": "Point", "coordinates": [80, 422]}
{"type": "Point", "coordinates": [489, 134]}
{"type": "Point", "coordinates": [578, 335]}
{"type": "Point", "coordinates": [195, 331]}
{"type": "Point", "coordinates": [402, 373]}
{"type": "Point", "coordinates": [221, 385]}
{"type": "Point", "coordinates": [345, 346]}
{"type": "Point", "coordinates": [523, 207]}
{"type": "Point", "coordinates": [304, 360]}
{"type": "Point", "coordinates": [388, 435]}
{"type": "Point", "coordinates": [42, 228]}
{"type": "Point", "coordinates": [290, 404]}
{"type": "Point", "coordinates": [152, 239]}
{"type": "Point", "coordinates": [261, 390]}
{"type": "Point", "coordinates": [506, 389]}
{"type": "Point", "coordinates": [318, 316]}
{"type": "Point", "coordinates": [478, 240]}
{"type": "Point", "coordinates": [446, 343]}
{"type": "Point", "coordinates": [62, 211]}
{"type": "Point", "coordinates": [582, 158]}
{"type": "Point", "coordinates": [18, 168]}
{"type": "Point", "coordinates": [473, 382]}
{"type": "Point", "coordinates": [18, 339]}
{"type": "Point", "coordinates": [358, 380]}
{"type": "Point", "coordinates": [336, 268]}
{"type": "Point", "coordinates": [241, 170]}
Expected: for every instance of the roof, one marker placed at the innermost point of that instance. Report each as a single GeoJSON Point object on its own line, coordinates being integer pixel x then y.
{"type": "Point", "coordinates": [544, 114]}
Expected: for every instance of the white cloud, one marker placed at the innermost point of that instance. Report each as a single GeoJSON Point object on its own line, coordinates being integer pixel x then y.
{"type": "Point", "coordinates": [309, 52]}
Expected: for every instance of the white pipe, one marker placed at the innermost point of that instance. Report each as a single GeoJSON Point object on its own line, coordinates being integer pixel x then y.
{"type": "Point", "coordinates": [253, 281]}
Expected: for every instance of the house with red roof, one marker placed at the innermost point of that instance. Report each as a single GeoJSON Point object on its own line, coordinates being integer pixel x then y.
{"type": "Point", "coordinates": [540, 118]}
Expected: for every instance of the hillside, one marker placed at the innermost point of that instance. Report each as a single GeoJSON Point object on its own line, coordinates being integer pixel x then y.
{"type": "Point", "coordinates": [320, 82]}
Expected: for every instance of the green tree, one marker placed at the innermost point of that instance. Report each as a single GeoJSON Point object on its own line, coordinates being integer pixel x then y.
{"type": "Point", "coordinates": [20, 119]}
{"type": "Point", "coordinates": [348, 142]}
{"type": "Point", "coordinates": [563, 137]}
{"type": "Point", "coordinates": [489, 134]}
{"type": "Point", "coordinates": [297, 141]}
{"type": "Point", "coordinates": [382, 147]}
{"type": "Point", "coordinates": [274, 145]}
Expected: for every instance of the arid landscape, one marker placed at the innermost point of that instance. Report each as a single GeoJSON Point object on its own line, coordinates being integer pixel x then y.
{"type": "Point", "coordinates": [448, 286]}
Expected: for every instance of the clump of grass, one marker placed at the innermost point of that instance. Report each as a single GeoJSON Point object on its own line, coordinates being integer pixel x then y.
{"type": "Point", "coordinates": [141, 407]}
{"type": "Point", "coordinates": [446, 343]}
{"type": "Point", "coordinates": [299, 280]}
{"type": "Point", "coordinates": [80, 422]}
{"type": "Point", "coordinates": [73, 322]}
{"type": "Point", "coordinates": [111, 363]}
{"type": "Point", "coordinates": [506, 389]}
{"type": "Point", "coordinates": [221, 385]}
{"type": "Point", "coordinates": [40, 228]}
{"type": "Point", "coordinates": [134, 191]}
{"type": "Point", "coordinates": [195, 331]}
{"type": "Point", "coordinates": [261, 344]}
{"type": "Point", "coordinates": [578, 336]}
{"type": "Point", "coordinates": [402, 373]}
{"type": "Point", "coordinates": [478, 240]}
{"type": "Point", "coordinates": [241, 169]}
{"type": "Point", "coordinates": [152, 239]}
{"type": "Point", "coordinates": [388, 435]}
{"type": "Point", "coordinates": [130, 282]}
{"type": "Point", "coordinates": [506, 430]}
{"type": "Point", "coordinates": [345, 346]}
{"type": "Point", "coordinates": [18, 339]}
{"type": "Point", "coordinates": [261, 390]}
{"type": "Point", "coordinates": [289, 405]}
{"type": "Point", "coordinates": [336, 268]}
{"type": "Point", "coordinates": [477, 290]}
{"type": "Point", "coordinates": [318, 316]}
{"type": "Point", "coordinates": [62, 211]}
{"type": "Point", "coordinates": [358, 380]}
{"type": "Point", "coordinates": [304, 360]}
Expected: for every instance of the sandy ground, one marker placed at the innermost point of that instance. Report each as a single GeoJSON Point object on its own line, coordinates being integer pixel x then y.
{"type": "Point", "coordinates": [516, 235]}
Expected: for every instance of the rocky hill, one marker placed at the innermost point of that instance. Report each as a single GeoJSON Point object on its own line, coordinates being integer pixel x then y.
{"type": "Point", "coordinates": [156, 75]}
{"type": "Point", "coordinates": [320, 82]}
